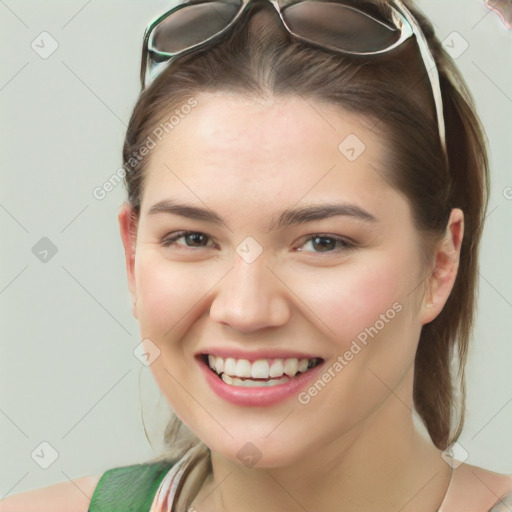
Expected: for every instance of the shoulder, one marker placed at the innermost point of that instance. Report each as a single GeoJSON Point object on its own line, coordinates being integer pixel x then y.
{"type": "Point", "coordinates": [121, 488]}
{"type": "Point", "coordinates": [477, 489]}
{"type": "Point", "coordinates": [129, 487]}
{"type": "Point", "coordinates": [503, 505]}
{"type": "Point", "coordinates": [70, 496]}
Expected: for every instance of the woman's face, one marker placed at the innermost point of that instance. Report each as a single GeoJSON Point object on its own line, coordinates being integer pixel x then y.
{"type": "Point", "coordinates": [258, 285]}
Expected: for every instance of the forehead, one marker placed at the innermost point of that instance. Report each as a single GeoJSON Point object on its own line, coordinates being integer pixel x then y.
{"type": "Point", "coordinates": [237, 149]}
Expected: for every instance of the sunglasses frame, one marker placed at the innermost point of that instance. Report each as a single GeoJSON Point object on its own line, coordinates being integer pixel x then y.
{"type": "Point", "coordinates": [402, 19]}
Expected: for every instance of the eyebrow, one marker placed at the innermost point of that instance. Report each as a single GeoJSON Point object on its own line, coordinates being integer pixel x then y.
{"type": "Point", "coordinates": [289, 217]}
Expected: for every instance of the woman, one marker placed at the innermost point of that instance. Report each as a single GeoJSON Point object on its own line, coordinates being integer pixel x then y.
{"type": "Point", "coordinates": [306, 192]}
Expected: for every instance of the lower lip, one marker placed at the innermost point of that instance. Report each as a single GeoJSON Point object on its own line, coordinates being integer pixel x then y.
{"type": "Point", "coordinates": [258, 395]}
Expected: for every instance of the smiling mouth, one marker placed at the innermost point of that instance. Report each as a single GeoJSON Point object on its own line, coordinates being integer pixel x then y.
{"type": "Point", "coordinates": [262, 372]}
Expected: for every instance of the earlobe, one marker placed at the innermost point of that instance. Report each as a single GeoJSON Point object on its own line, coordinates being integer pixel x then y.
{"type": "Point", "coordinates": [128, 228]}
{"type": "Point", "coordinates": [445, 267]}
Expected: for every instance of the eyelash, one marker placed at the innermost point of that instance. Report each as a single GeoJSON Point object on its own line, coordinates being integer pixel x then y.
{"type": "Point", "coordinates": [346, 244]}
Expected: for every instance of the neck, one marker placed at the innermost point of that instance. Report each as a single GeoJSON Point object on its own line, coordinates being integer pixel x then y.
{"type": "Point", "coordinates": [383, 463]}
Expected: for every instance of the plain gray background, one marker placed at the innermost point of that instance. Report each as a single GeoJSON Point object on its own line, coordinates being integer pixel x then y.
{"type": "Point", "coordinates": [68, 374]}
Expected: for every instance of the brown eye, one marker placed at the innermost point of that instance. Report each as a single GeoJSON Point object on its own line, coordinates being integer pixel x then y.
{"type": "Point", "coordinates": [192, 238]}
{"type": "Point", "coordinates": [327, 243]}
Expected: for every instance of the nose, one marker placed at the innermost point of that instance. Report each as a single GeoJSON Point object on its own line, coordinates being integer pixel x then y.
{"type": "Point", "coordinates": [250, 297]}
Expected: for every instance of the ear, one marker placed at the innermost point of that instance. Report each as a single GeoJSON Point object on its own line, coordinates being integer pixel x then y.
{"type": "Point", "coordinates": [446, 265]}
{"type": "Point", "coordinates": [128, 226]}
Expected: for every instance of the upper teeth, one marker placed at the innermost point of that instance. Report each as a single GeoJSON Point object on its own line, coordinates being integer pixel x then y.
{"type": "Point", "coordinates": [261, 368]}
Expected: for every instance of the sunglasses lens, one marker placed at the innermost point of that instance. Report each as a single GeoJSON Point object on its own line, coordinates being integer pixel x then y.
{"type": "Point", "coordinates": [192, 25]}
{"type": "Point", "coordinates": [340, 26]}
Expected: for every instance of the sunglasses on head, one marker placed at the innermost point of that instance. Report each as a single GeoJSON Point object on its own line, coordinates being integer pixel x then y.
{"type": "Point", "coordinates": [336, 25]}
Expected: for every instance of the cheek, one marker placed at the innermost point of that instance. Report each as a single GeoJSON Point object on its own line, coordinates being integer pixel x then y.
{"type": "Point", "coordinates": [346, 300]}
{"type": "Point", "coordinates": [168, 298]}
{"type": "Point", "coordinates": [166, 293]}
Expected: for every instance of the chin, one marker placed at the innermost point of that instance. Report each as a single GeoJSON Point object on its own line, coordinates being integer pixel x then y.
{"type": "Point", "coordinates": [256, 451]}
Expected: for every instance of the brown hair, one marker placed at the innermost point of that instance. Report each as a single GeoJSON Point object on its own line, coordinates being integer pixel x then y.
{"type": "Point", "coordinates": [392, 92]}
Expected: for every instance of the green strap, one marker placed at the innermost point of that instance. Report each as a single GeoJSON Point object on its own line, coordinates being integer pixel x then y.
{"type": "Point", "coordinates": [128, 488]}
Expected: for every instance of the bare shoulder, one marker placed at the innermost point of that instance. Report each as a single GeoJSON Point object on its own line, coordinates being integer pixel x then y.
{"type": "Point", "coordinates": [478, 489]}
{"type": "Point", "coordinates": [500, 484]}
{"type": "Point", "coordinates": [70, 496]}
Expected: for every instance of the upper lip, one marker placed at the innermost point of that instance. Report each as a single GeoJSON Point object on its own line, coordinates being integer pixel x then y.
{"type": "Point", "coordinates": [253, 355]}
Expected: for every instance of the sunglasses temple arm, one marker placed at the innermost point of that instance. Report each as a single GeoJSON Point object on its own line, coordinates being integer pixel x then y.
{"type": "Point", "coordinates": [431, 67]}
{"type": "Point", "coordinates": [428, 60]}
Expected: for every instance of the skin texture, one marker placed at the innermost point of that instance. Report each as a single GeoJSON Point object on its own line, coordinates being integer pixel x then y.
{"type": "Point", "coordinates": [353, 446]}
{"type": "Point", "coordinates": [69, 496]}
{"type": "Point", "coordinates": [247, 161]}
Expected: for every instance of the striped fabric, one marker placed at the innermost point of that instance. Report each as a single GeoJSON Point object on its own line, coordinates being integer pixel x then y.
{"type": "Point", "coordinates": [151, 487]}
